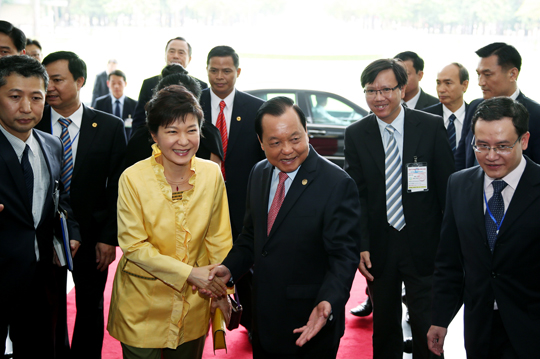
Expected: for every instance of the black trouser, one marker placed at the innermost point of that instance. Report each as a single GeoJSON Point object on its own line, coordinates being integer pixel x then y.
{"type": "Point", "coordinates": [499, 343]}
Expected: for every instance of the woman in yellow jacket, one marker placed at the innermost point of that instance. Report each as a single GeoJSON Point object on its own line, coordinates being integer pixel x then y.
{"type": "Point", "coordinates": [173, 222]}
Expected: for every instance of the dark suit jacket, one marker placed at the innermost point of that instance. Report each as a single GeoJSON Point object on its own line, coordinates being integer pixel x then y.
{"type": "Point", "coordinates": [311, 254]}
{"type": "Point", "coordinates": [146, 93]}
{"type": "Point", "coordinates": [425, 100]}
{"type": "Point", "coordinates": [243, 151]}
{"type": "Point", "coordinates": [100, 87]}
{"type": "Point", "coordinates": [94, 185]}
{"type": "Point", "coordinates": [426, 140]}
{"type": "Point", "coordinates": [437, 109]}
{"type": "Point", "coordinates": [465, 157]}
{"type": "Point", "coordinates": [17, 232]}
{"type": "Point", "coordinates": [104, 104]}
{"type": "Point", "coordinates": [467, 270]}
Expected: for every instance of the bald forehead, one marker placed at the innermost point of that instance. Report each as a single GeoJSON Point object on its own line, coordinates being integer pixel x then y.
{"type": "Point", "coordinates": [449, 72]}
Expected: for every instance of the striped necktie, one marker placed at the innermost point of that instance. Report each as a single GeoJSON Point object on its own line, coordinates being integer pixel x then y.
{"type": "Point", "coordinates": [392, 164]}
{"type": "Point", "coordinates": [67, 168]}
{"type": "Point", "coordinates": [221, 125]}
{"type": "Point", "coordinates": [451, 130]}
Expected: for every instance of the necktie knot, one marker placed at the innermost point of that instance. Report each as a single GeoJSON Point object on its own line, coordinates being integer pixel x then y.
{"type": "Point", "coordinates": [117, 101]}
{"type": "Point", "coordinates": [498, 186]}
{"type": "Point", "coordinates": [65, 121]}
{"type": "Point", "coordinates": [452, 118]}
{"type": "Point", "coordinates": [390, 130]}
{"type": "Point", "coordinates": [222, 105]}
{"type": "Point", "coordinates": [282, 177]}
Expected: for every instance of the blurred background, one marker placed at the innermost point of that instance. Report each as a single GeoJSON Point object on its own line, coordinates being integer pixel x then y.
{"type": "Point", "coordinates": [283, 43]}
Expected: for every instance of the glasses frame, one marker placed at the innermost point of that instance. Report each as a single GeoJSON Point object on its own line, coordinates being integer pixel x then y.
{"type": "Point", "coordinates": [495, 149]}
{"type": "Point", "coordinates": [381, 92]}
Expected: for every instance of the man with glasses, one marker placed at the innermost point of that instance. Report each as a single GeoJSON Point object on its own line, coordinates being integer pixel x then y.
{"type": "Point", "coordinates": [490, 241]}
{"type": "Point", "coordinates": [498, 71]}
{"type": "Point", "coordinates": [400, 159]}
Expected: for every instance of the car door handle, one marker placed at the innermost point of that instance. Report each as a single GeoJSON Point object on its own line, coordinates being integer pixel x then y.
{"type": "Point", "coordinates": [317, 132]}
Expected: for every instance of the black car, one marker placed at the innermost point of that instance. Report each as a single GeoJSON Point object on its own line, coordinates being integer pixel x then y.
{"type": "Point", "coordinates": [327, 116]}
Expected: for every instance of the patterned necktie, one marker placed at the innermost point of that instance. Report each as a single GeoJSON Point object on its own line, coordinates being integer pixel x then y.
{"type": "Point", "coordinates": [451, 130]}
{"type": "Point", "coordinates": [221, 124]}
{"type": "Point", "coordinates": [392, 164]}
{"type": "Point", "coordinates": [67, 168]}
{"type": "Point", "coordinates": [28, 174]}
{"type": "Point", "coordinates": [117, 108]}
{"type": "Point", "coordinates": [496, 207]}
{"type": "Point", "coordinates": [277, 202]}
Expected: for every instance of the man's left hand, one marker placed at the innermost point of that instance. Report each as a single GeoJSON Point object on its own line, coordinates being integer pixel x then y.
{"type": "Point", "coordinates": [317, 320]}
{"type": "Point", "coordinates": [74, 246]}
{"type": "Point", "coordinates": [105, 255]}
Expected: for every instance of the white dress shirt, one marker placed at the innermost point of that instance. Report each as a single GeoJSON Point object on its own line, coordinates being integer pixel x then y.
{"type": "Point", "coordinates": [227, 111]}
{"type": "Point", "coordinates": [398, 124]}
{"type": "Point", "coordinates": [458, 122]}
{"type": "Point", "coordinates": [413, 101]}
{"type": "Point", "coordinates": [275, 181]}
{"type": "Point", "coordinates": [74, 129]}
{"type": "Point", "coordinates": [41, 175]}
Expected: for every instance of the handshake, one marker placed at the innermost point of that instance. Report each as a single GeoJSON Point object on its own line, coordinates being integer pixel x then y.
{"type": "Point", "coordinates": [210, 280]}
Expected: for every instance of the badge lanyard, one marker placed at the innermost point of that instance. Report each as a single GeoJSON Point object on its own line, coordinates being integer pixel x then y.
{"type": "Point", "coordinates": [491, 214]}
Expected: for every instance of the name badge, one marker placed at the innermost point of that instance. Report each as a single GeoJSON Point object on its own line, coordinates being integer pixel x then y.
{"type": "Point", "coordinates": [417, 177]}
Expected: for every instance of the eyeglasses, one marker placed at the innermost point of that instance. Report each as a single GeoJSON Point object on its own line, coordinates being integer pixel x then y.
{"type": "Point", "coordinates": [500, 150]}
{"type": "Point", "coordinates": [386, 92]}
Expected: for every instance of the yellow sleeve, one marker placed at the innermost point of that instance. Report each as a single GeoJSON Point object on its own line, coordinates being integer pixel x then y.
{"type": "Point", "coordinates": [133, 239]}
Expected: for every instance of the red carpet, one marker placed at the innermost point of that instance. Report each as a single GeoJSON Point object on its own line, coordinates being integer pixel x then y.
{"type": "Point", "coordinates": [356, 342]}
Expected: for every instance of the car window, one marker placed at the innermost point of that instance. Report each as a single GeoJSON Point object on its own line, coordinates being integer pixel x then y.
{"type": "Point", "coordinates": [271, 95]}
{"type": "Point", "coordinates": [331, 111]}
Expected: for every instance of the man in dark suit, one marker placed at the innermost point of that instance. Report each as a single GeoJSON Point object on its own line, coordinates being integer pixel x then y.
{"type": "Point", "coordinates": [100, 83]}
{"type": "Point", "coordinates": [490, 242]}
{"type": "Point", "coordinates": [301, 235]}
{"type": "Point", "coordinates": [402, 200]}
{"type": "Point", "coordinates": [177, 51]}
{"type": "Point", "coordinates": [242, 149]}
{"type": "Point", "coordinates": [116, 103]}
{"type": "Point", "coordinates": [30, 192]}
{"type": "Point", "coordinates": [415, 97]}
{"type": "Point", "coordinates": [98, 143]}
{"type": "Point", "coordinates": [498, 71]}
{"type": "Point", "coordinates": [452, 83]}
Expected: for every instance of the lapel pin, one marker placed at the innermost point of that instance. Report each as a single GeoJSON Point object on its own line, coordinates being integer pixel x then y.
{"type": "Point", "coordinates": [304, 182]}
{"type": "Point", "coordinates": [239, 118]}
{"type": "Point", "coordinates": [94, 124]}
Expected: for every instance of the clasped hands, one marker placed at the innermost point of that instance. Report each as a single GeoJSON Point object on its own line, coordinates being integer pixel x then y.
{"type": "Point", "coordinates": [210, 280]}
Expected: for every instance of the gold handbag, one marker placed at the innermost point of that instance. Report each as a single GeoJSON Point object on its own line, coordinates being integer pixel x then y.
{"type": "Point", "coordinates": [218, 330]}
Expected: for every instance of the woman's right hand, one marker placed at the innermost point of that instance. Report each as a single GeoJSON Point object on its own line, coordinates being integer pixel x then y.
{"type": "Point", "coordinates": [199, 278]}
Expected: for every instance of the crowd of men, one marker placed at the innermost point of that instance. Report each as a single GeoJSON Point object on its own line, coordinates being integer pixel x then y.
{"type": "Point", "coordinates": [398, 211]}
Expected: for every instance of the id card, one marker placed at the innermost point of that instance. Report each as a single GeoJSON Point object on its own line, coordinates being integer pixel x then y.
{"type": "Point", "coordinates": [417, 177]}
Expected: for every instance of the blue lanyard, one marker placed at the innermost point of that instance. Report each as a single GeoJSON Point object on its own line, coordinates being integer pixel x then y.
{"type": "Point", "coordinates": [491, 214]}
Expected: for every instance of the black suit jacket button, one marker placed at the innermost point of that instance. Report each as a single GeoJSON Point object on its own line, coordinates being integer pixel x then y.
{"type": "Point", "coordinates": [264, 254]}
{"type": "Point", "coordinates": [493, 275]}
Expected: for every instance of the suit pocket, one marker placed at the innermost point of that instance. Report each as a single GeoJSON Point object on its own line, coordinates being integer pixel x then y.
{"type": "Point", "coordinates": [306, 291]}
{"type": "Point", "coordinates": [134, 270]}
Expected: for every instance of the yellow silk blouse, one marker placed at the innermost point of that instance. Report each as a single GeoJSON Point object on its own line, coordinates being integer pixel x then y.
{"type": "Point", "coordinates": [152, 305]}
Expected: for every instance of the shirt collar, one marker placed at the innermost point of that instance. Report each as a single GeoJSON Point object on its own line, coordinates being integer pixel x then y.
{"type": "Point", "coordinates": [18, 144]}
{"type": "Point", "coordinates": [121, 99]}
{"type": "Point", "coordinates": [215, 100]}
{"type": "Point", "coordinates": [413, 101]}
{"type": "Point", "coordinates": [291, 175]}
{"type": "Point", "coordinates": [515, 94]}
{"type": "Point", "coordinates": [512, 179]}
{"type": "Point", "coordinates": [76, 117]}
{"type": "Point", "coordinates": [397, 124]}
{"type": "Point", "coordinates": [460, 113]}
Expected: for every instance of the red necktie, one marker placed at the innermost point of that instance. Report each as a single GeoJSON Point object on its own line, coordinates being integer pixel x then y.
{"type": "Point", "coordinates": [277, 202]}
{"type": "Point", "coordinates": [221, 124]}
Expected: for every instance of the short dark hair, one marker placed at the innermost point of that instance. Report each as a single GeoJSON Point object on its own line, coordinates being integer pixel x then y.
{"type": "Point", "coordinates": [25, 66]}
{"type": "Point", "coordinates": [372, 70]}
{"type": "Point", "coordinates": [181, 39]}
{"type": "Point", "coordinates": [170, 104]}
{"type": "Point", "coordinates": [277, 107]}
{"type": "Point", "coordinates": [418, 62]}
{"type": "Point", "coordinates": [76, 65]}
{"type": "Point", "coordinates": [224, 51]}
{"type": "Point", "coordinates": [507, 55]}
{"type": "Point", "coordinates": [33, 42]}
{"type": "Point", "coordinates": [185, 80]}
{"type": "Point", "coordinates": [463, 73]}
{"type": "Point", "coordinates": [173, 68]}
{"type": "Point", "coordinates": [496, 108]}
{"type": "Point", "coordinates": [15, 34]}
{"type": "Point", "coordinates": [117, 73]}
